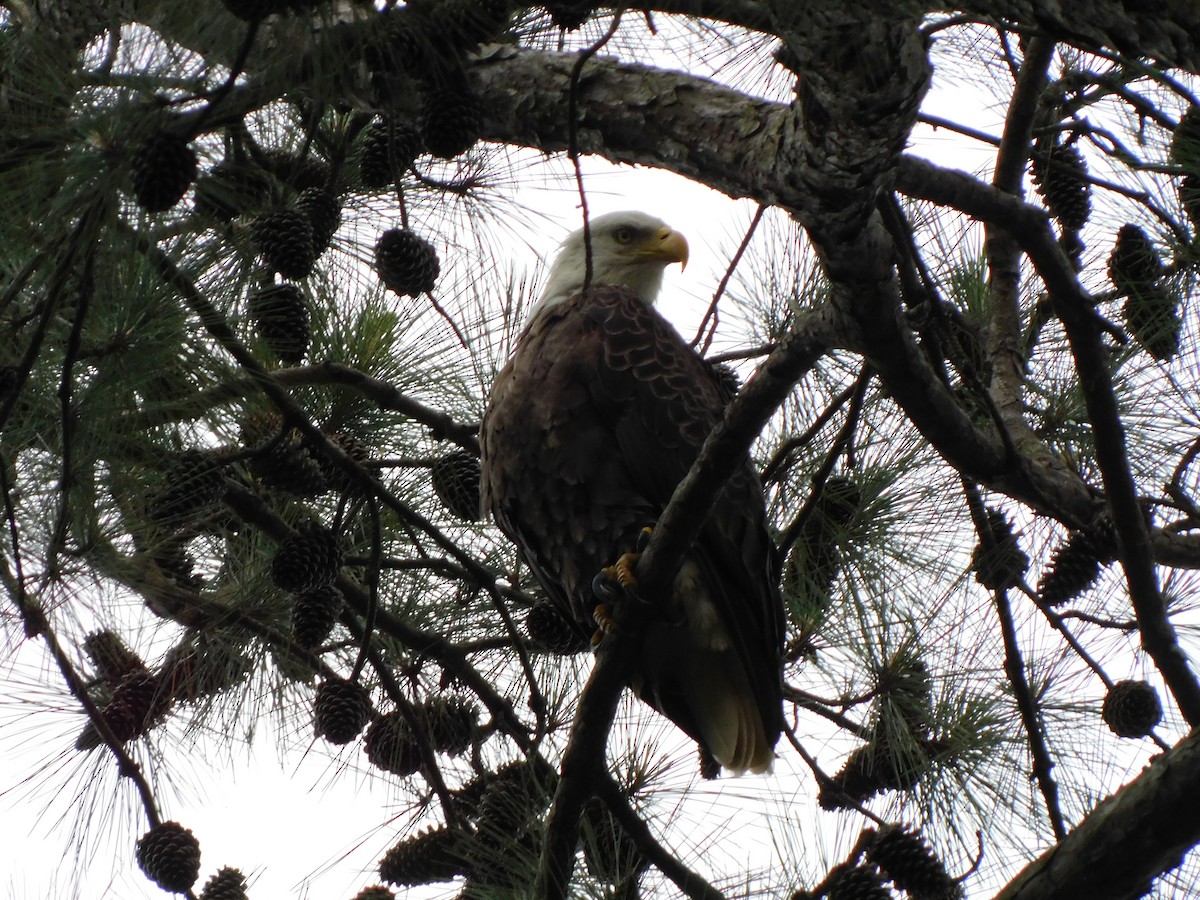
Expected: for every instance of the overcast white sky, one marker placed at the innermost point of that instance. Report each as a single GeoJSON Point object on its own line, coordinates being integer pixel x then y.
{"type": "Point", "coordinates": [283, 823]}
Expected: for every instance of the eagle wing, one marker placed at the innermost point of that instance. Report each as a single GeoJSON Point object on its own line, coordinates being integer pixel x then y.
{"type": "Point", "coordinates": [590, 428]}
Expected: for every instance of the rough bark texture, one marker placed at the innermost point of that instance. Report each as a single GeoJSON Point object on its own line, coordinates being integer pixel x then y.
{"type": "Point", "coordinates": [830, 160]}
{"type": "Point", "coordinates": [1133, 836]}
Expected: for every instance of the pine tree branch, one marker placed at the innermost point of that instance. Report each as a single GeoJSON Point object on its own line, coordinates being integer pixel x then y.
{"type": "Point", "coordinates": [1170, 34]}
{"type": "Point", "coordinates": [220, 330]}
{"type": "Point", "coordinates": [1137, 834]}
{"type": "Point", "coordinates": [690, 883]}
{"type": "Point", "coordinates": [1075, 308]}
{"type": "Point", "coordinates": [37, 623]}
{"type": "Point", "coordinates": [1137, 555]}
{"type": "Point", "coordinates": [449, 656]}
{"type": "Point", "coordinates": [386, 396]}
{"type": "Point", "coordinates": [1005, 347]}
{"type": "Point", "coordinates": [1014, 669]}
{"type": "Point", "coordinates": [583, 765]}
{"type": "Point", "coordinates": [778, 465]}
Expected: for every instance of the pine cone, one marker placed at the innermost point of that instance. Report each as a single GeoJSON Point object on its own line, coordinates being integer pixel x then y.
{"type": "Point", "coordinates": [341, 709]}
{"type": "Point", "coordinates": [280, 316]}
{"type": "Point", "coordinates": [375, 157]}
{"type": "Point", "coordinates": [433, 855]}
{"type": "Point", "coordinates": [379, 892]}
{"type": "Point", "coordinates": [452, 722]}
{"type": "Point", "coordinates": [550, 630]}
{"type": "Point", "coordinates": [324, 215]}
{"type": "Point", "coordinates": [169, 854]}
{"type": "Point", "coordinates": [314, 613]}
{"type": "Point", "coordinates": [285, 240]}
{"type": "Point", "coordinates": [227, 884]}
{"type": "Point", "coordinates": [138, 704]}
{"type": "Point", "coordinates": [871, 769]}
{"type": "Point", "coordinates": [390, 745]}
{"type": "Point", "coordinates": [282, 462]}
{"type": "Point", "coordinates": [232, 188]}
{"type": "Point", "coordinates": [1074, 567]}
{"type": "Point", "coordinates": [406, 263]}
{"type": "Point", "coordinates": [194, 482]}
{"type": "Point", "coordinates": [451, 117]}
{"type": "Point", "coordinates": [388, 148]}
{"type": "Point", "coordinates": [998, 561]}
{"type": "Point", "coordinates": [513, 798]}
{"type": "Point", "coordinates": [111, 658]}
{"type": "Point", "coordinates": [337, 479]}
{"type": "Point", "coordinates": [905, 690]}
{"type": "Point", "coordinates": [201, 667]}
{"type": "Point", "coordinates": [1132, 709]}
{"type": "Point", "coordinates": [727, 379]}
{"type": "Point", "coordinates": [910, 864]}
{"type": "Point", "coordinates": [298, 172]}
{"type": "Point", "coordinates": [835, 508]}
{"type": "Point", "coordinates": [1061, 178]}
{"type": "Point", "coordinates": [569, 15]}
{"type": "Point", "coordinates": [456, 479]}
{"type": "Point", "coordinates": [1151, 314]}
{"type": "Point", "coordinates": [856, 883]}
{"type": "Point", "coordinates": [308, 558]}
{"type": "Point", "coordinates": [1134, 264]}
{"type": "Point", "coordinates": [163, 169]}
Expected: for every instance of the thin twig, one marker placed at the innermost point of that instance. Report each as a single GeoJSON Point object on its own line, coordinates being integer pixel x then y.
{"type": "Point", "coordinates": [573, 139]}
{"type": "Point", "coordinates": [711, 312]}
{"type": "Point", "coordinates": [1014, 669]}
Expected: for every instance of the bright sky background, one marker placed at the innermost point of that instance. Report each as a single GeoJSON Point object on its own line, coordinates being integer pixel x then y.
{"type": "Point", "coordinates": [281, 823]}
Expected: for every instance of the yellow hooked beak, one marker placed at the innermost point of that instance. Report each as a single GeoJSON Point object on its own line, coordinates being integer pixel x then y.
{"type": "Point", "coordinates": [666, 245]}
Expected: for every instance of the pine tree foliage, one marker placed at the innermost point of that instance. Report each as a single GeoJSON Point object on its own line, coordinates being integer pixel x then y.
{"type": "Point", "coordinates": [260, 263]}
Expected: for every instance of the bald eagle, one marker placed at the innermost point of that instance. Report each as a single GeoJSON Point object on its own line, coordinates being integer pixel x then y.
{"type": "Point", "coordinates": [589, 428]}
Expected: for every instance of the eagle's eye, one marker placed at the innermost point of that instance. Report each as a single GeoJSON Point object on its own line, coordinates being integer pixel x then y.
{"type": "Point", "coordinates": [624, 234]}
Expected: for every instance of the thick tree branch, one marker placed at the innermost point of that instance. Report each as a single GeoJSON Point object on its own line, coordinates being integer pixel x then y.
{"type": "Point", "coordinates": [674, 533]}
{"type": "Point", "coordinates": [1132, 837]}
{"type": "Point", "coordinates": [1137, 556]}
{"type": "Point", "coordinates": [1003, 251]}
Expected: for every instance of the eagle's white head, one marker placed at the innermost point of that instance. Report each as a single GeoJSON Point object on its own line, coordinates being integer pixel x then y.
{"type": "Point", "coordinates": [628, 248]}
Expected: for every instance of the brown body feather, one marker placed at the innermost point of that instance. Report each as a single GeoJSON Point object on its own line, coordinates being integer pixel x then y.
{"type": "Point", "coordinates": [590, 427]}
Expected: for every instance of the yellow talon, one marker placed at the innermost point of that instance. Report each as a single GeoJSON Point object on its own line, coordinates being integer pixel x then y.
{"type": "Point", "coordinates": [644, 536]}
{"type": "Point", "coordinates": [622, 570]}
{"type": "Point", "coordinates": [602, 616]}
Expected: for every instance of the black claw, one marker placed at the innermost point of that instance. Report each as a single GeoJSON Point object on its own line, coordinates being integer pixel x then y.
{"type": "Point", "coordinates": [606, 588]}
{"type": "Point", "coordinates": [643, 539]}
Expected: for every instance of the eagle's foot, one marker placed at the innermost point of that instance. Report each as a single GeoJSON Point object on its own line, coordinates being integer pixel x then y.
{"type": "Point", "coordinates": [606, 624]}
{"type": "Point", "coordinates": [614, 582]}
